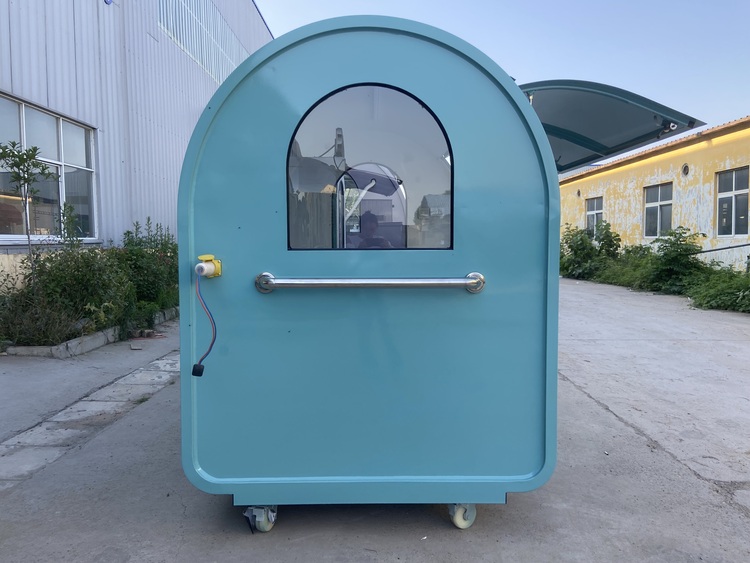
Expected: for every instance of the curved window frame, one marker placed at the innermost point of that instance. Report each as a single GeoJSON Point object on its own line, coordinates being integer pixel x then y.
{"type": "Point", "coordinates": [447, 156]}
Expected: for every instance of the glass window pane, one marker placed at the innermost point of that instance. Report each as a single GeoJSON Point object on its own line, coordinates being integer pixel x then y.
{"type": "Point", "coordinates": [10, 126]}
{"type": "Point", "coordinates": [41, 131]}
{"type": "Point", "coordinates": [44, 208]}
{"type": "Point", "coordinates": [725, 216]}
{"type": "Point", "coordinates": [665, 192]}
{"type": "Point", "coordinates": [591, 222]}
{"type": "Point", "coordinates": [740, 217]}
{"type": "Point", "coordinates": [76, 145]}
{"type": "Point", "coordinates": [594, 204]}
{"type": "Point", "coordinates": [726, 181]}
{"type": "Point", "coordinates": [78, 193]}
{"type": "Point", "coordinates": [652, 194]}
{"type": "Point", "coordinates": [665, 218]}
{"type": "Point", "coordinates": [11, 210]}
{"type": "Point", "coordinates": [652, 222]}
{"type": "Point", "coordinates": [740, 179]}
{"type": "Point", "coordinates": [369, 167]}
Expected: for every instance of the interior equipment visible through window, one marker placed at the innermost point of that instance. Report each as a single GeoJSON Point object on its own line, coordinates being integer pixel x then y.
{"type": "Point", "coordinates": [369, 168]}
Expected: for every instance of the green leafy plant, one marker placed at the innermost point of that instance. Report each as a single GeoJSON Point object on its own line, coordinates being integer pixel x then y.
{"type": "Point", "coordinates": [77, 290]}
{"type": "Point", "coordinates": [145, 312]}
{"type": "Point", "coordinates": [28, 318]}
{"type": "Point", "coordinates": [577, 253]}
{"type": "Point", "coordinates": [608, 242]}
{"type": "Point", "coordinates": [631, 267]}
{"type": "Point", "coordinates": [669, 265]}
{"type": "Point", "coordinates": [88, 283]}
{"type": "Point", "coordinates": [677, 261]}
{"type": "Point", "coordinates": [69, 227]}
{"type": "Point", "coordinates": [25, 170]}
{"type": "Point", "coordinates": [584, 254]}
{"type": "Point", "coordinates": [99, 315]}
{"type": "Point", "coordinates": [721, 288]}
{"type": "Point", "coordinates": [150, 256]}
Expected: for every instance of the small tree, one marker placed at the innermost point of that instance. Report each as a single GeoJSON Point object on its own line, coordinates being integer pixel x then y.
{"type": "Point", "coordinates": [25, 170]}
{"type": "Point", "coordinates": [577, 253]}
{"type": "Point", "coordinates": [583, 253]}
{"type": "Point", "coordinates": [608, 241]}
{"type": "Point", "coordinates": [677, 251]}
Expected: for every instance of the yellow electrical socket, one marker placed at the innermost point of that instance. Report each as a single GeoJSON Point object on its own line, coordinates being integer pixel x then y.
{"type": "Point", "coordinates": [215, 264]}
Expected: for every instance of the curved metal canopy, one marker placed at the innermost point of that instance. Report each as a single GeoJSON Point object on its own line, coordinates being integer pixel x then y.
{"type": "Point", "coordinates": [586, 121]}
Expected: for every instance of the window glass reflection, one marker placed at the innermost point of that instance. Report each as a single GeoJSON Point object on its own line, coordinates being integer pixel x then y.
{"type": "Point", "coordinates": [44, 206]}
{"type": "Point", "coordinates": [78, 193]}
{"type": "Point", "coordinates": [12, 220]}
{"type": "Point", "coordinates": [41, 131]}
{"type": "Point", "coordinates": [369, 168]}
{"type": "Point", "coordinates": [75, 144]}
{"type": "Point", "coordinates": [10, 129]}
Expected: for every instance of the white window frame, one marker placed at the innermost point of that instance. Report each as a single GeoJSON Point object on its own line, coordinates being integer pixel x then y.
{"type": "Point", "coordinates": [731, 195]}
{"type": "Point", "coordinates": [658, 204]}
{"type": "Point", "coordinates": [58, 166]}
{"type": "Point", "coordinates": [597, 213]}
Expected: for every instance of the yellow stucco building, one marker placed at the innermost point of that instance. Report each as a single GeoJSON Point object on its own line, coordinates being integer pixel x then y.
{"type": "Point", "coordinates": [699, 182]}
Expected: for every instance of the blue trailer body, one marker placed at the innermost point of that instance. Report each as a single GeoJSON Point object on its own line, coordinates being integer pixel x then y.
{"type": "Point", "coordinates": [370, 393]}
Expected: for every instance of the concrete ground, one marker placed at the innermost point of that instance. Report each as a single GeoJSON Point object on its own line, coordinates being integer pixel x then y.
{"type": "Point", "coordinates": [33, 389]}
{"type": "Point", "coordinates": [654, 459]}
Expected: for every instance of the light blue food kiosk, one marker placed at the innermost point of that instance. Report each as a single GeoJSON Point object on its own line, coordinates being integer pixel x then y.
{"type": "Point", "coordinates": [369, 225]}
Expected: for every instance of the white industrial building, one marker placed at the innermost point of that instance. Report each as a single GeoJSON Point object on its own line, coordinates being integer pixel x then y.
{"type": "Point", "coordinates": [110, 91]}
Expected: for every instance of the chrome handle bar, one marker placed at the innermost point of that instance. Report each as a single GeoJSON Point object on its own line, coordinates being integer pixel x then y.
{"type": "Point", "coordinates": [266, 283]}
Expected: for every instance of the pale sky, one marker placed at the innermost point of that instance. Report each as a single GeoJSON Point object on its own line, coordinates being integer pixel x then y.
{"type": "Point", "coordinates": [690, 55]}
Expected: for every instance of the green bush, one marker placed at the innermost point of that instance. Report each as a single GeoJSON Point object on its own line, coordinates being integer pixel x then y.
{"type": "Point", "coordinates": [608, 241]}
{"type": "Point", "coordinates": [145, 311]}
{"type": "Point", "coordinates": [677, 261]}
{"type": "Point", "coordinates": [721, 288]}
{"type": "Point", "coordinates": [75, 291]}
{"type": "Point", "coordinates": [583, 256]}
{"type": "Point", "coordinates": [669, 265]}
{"type": "Point", "coordinates": [631, 268]}
{"type": "Point", "coordinates": [577, 253]}
{"type": "Point", "coordinates": [71, 292]}
{"type": "Point", "coordinates": [30, 319]}
{"type": "Point", "coordinates": [88, 283]}
{"type": "Point", "coordinates": [150, 257]}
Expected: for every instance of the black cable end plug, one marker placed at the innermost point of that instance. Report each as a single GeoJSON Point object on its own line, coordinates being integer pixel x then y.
{"type": "Point", "coordinates": [197, 370]}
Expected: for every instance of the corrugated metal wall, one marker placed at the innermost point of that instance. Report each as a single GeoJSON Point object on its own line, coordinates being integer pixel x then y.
{"type": "Point", "coordinates": [113, 67]}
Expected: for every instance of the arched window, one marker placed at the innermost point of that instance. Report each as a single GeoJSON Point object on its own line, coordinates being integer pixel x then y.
{"type": "Point", "coordinates": [369, 167]}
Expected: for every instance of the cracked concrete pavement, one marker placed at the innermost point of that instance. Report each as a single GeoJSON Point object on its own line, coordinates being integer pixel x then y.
{"type": "Point", "coordinates": [38, 424]}
{"type": "Point", "coordinates": [677, 375]}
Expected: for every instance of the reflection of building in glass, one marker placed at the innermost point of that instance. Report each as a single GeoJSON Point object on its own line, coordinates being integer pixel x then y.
{"type": "Point", "coordinates": [11, 217]}
{"type": "Point", "coordinates": [433, 206]}
{"type": "Point", "coordinates": [395, 155]}
{"type": "Point", "coordinates": [433, 218]}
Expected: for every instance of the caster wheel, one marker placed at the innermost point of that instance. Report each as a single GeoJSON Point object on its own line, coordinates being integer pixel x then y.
{"type": "Point", "coordinates": [260, 518]}
{"type": "Point", "coordinates": [462, 515]}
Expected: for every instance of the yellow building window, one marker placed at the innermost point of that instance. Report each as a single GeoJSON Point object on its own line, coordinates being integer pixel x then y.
{"type": "Point", "coordinates": [732, 203]}
{"type": "Point", "coordinates": [658, 210]}
{"type": "Point", "coordinates": [594, 213]}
